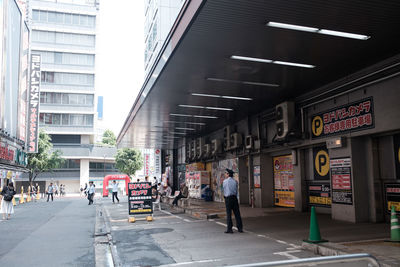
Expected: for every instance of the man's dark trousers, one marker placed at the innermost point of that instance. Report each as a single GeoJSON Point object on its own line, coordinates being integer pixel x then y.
{"type": "Point", "coordinates": [175, 202]}
{"type": "Point", "coordinates": [48, 196]}
{"type": "Point", "coordinates": [115, 195]}
{"type": "Point", "coordinates": [232, 203]}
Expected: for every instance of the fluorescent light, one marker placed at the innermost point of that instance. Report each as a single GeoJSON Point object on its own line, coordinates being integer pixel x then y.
{"type": "Point", "coordinates": [273, 61]}
{"type": "Point", "coordinates": [196, 94]}
{"type": "Point", "coordinates": [344, 34]}
{"type": "Point", "coordinates": [317, 30]}
{"type": "Point", "coordinates": [177, 133]}
{"type": "Point", "coordinates": [292, 27]}
{"type": "Point", "coordinates": [184, 128]}
{"type": "Point", "coordinates": [237, 97]}
{"type": "Point", "coordinates": [180, 115]}
{"type": "Point", "coordinates": [186, 122]}
{"type": "Point", "coordinates": [242, 82]}
{"type": "Point", "coordinates": [251, 59]}
{"type": "Point", "coordinates": [205, 117]}
{"type": "Point", "coordinates": [212, 108]}
{"type": "Point", "coordinates": [223, 96]}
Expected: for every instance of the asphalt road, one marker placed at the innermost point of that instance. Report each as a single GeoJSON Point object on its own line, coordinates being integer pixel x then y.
{"type": "Point", "coordinates": [177, 239]}
{"type": "Point", "coordinates": [58, 233]}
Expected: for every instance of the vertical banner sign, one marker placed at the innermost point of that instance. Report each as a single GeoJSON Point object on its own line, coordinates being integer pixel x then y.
{"type": "Point", "coordinates": [341, 181]}
{"type": "Point", "coordinates": [319, 194]}
{"type": "Point", "coordinates": [140, 200]}
{"type": "Point", "coordinates": [157, 163]}
{"type": "Point", "coordinates": [396, 142]}
{"type": "Point", "coordinates": [33, 105]}
{"type": "Point", "coordinates": [257, 183]}
{"type": "Point", "coordinates": [321, 163]}
{"type": "Point", "coordinates": [392, 193]}
{"type": "Point", "coordinates": [283, 181]}
{"type": "Point", "coordinates": [146, 164]}
{"type": "Point", "coordinates": [355, 116]}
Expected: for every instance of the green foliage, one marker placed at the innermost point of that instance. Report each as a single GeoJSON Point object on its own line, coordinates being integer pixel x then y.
{"type": "Point", "coordinates": [128, 160]}
{"type": "Point", "coordinates": [109, 138]}
{"type": "Point", "coordinates": [44, 160]}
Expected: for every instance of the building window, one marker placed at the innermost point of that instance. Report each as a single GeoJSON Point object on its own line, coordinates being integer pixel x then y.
{"type": "Point", "coordinates": [63, 38]}
{"type": "Point", "coordinates": [63, 18]}
{"type": "Point", "coordinates": [66, 119]}
{"type": "Point", "coordinates": [67, 78]}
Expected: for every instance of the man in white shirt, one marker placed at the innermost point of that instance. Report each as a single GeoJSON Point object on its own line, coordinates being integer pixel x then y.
{"type": "Point", "coordinates": [115, 191]}
{"type": "Point", "coordinates": [91, 191]}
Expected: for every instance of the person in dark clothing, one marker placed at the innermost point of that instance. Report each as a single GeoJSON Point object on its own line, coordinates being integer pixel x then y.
{"type": "Point", "coordinates": [182, 194]}
{"type": "Point", "coordinates": [230, 187]}
{"type": "Point", "coordinates": [6, 196]}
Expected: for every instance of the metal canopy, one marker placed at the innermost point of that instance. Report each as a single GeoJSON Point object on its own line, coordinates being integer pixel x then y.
{"type": "Point", "coordinates": [222, 28]}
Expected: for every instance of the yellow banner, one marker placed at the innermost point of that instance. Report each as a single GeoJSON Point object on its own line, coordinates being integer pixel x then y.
{"type": "Point", "coordinates": [143, 210]}
{"type": "Point", "coordinates": [395, 204]}
{"type": "Point", "coordinates": [284, 199]}
{"type": "Point", "coordinates": [320, 200]}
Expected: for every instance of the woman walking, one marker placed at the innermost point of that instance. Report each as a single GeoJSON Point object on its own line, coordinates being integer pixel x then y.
{"type": "Point", "coordinates": [7, 195]}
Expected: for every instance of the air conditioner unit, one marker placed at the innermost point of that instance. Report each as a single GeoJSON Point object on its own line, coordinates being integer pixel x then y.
{"type": "Point", "coordinates": [227, 137]}
{"type": "Point", "coordinates": [284, 118]}
{"type": "Point", "coordinates": [249, 142]}
{"type": "Point", "coordinates": [236, 140]}
{"type": "Point", "coordinates": [215, 147]}
{"type": "Point", "coordinates": [207, 151]}
{"type": "Point", "coordinates": [199, 148]}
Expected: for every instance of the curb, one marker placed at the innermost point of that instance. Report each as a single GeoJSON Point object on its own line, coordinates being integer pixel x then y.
{"type": "Point", "coordinates": [325, 249]}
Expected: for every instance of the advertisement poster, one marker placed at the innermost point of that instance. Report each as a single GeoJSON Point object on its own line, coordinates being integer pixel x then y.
{"type": "Point", "coordinates": [33, 105]}
{"type": "Point", "coordinates": [319, 194]}
{"type": "Point", "coordinates": [257, 174]}
{"type": "Point", "coordinates": [392, 193]}
{"type": "Point", "coordinates": [283, 181]}
{"type": "Point", "coordinates": [351, 117]}
{"type": "Point", "coordinates": [341, 181]}
{"type": "Point", "coordinates": [139, 198]}
{"type": "Point", "coordinates": [218, 176]}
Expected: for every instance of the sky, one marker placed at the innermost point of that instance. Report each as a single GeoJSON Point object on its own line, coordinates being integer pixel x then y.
{"type": "Point", "coordinates": [119, 58]}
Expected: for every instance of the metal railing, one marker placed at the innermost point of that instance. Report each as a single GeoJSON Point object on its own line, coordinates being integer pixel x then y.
{"type": "Point", "coordinates": [361, 259]}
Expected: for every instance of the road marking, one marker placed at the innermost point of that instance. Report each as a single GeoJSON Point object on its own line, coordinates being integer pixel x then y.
{"type": "Point", "coordinates": [190, 262]}
{"type": "Point", "coordinates": [176, 216]}
{"type": "Point", "coordinates": [280, 241]}
{"type": "Point", "coordinates": [287, 254]}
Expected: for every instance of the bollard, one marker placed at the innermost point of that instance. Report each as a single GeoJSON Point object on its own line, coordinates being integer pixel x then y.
{"type": "Point", "coordinates": [315, 235]}
{"type": "Point", "coordinates": [21, 199]}
{"type": "Point", "coordinates": [13, 202]}
{"type": "Point", "coordinates": [394, 227]}
{"type": "Point", "coordinates": [28, 198]}
{"type": "Point", "coordinates": [131, 219]}
{"type": "Point", "coordinates": [38, 193]}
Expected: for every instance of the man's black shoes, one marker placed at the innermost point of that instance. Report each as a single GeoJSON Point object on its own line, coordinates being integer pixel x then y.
{"type": "Point", "coordinates": [228, 232]}
{"type": "Point", "coordinates": [240, 231]}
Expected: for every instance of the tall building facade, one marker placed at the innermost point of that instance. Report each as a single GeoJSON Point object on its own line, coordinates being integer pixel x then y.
{"type": "Point", "coordinates": [64, 34]}
{"type": "Point", "coordinates": [160, 15]}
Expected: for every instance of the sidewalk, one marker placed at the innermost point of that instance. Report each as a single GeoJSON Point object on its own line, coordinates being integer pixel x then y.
{"type": "Point", "coordinates": [293, 227]}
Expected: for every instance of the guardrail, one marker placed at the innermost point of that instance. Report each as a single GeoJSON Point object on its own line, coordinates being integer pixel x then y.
{"type": "Point", "coordinates": [361, 259]}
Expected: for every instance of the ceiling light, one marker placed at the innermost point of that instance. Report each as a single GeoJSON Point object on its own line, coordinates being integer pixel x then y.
{"type": "Point", "coordinates": [273, 61]}
{"type": "Point", "coordinates": [222, 96]}
{"type": "Point", "coordinates": [193, 116]}
{"type": "Point", "coordinates": [212, 108]}
{"type": "Point", "coordinates": [317, 30]}
{"type": "Point", "coordinates": [180, 115]}
{"type": "Point", "coordinates": [205, 117]}
{"type": "Point", "coordinates": [177, 133]}
{"type": "Point", "coordinates": [242, 82]}
{"type": "Point", "coordinates": [186, 122]}
{"type": "Point", "coordinates": [184, 128]}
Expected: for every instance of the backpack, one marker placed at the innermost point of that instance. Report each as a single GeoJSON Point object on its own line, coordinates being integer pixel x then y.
{"type": "Point", "coordinates": [8, 196]}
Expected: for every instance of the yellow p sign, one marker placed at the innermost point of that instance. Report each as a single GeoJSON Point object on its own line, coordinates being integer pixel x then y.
{"type": "Point", "coordinates": [317, 126]}
{"type": "Point", "coordinates": [321, 163]}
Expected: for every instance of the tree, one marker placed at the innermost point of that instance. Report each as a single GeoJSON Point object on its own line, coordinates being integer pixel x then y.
{"type": "Point", "coordinates": [128, 160]}
{"type": "Point", "coordinates": [44, 160]}
{"type": "Point", "coordinates": [109, 138]}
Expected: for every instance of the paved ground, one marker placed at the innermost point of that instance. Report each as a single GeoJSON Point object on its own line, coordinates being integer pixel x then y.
{"type": "Point", "coordinates": [58, 233]}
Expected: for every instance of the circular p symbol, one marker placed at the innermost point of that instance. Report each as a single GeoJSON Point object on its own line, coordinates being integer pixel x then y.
{"type": "Point", "coordinates": [317, 126]}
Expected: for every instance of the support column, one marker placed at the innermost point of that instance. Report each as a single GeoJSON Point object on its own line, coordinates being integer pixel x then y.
{"type": "Point", "coordinates": [267, 181]}
{"type": "Point", "coordinates": [84, 171]}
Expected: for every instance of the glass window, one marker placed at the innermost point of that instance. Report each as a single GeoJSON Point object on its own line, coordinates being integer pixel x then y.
{"type": "Point", "coordinates": [74, 163]}
{"type": "Point", "coordinates": [65, 119]}
{"type": "Point", "coordinates": [42, 97]}
{"type": "Point", "coordinates": [57, 98]}
{"type": "Point", "coordinates": [73, 99]}
{"type": "Point", "coordinates": [75, 19]}
{"type": "Point", "coordinates": [68, 19]}
{"type": "Point", "coordinates": [58, 58]}
{"type": "Point", "coordinates": [91, 21]}
{"type": "Point", "coordinates": [43, 16]}
{"type": "Point", "coordinates": [60, 18]}
{"type": "Point", "coordinates": [83, 20]}
{"type": "Point", "coordinates": [47, 77]}
{"type": "Point", "coordinates": [81, 99]}
{"type": "Point", "coordinates": [89, 100]}
{"type": "Point", "coordinates": [56, 119]}
{"type": "Point", "coordinates": [89, 120]}
{"type": "Point", "coordinates": [77, 119]}
{"type": "Point", "coordinates": [52, 17]}
{"type": "Point", "coordinates": [35, 15]}
{"type": "Point", "coordinates": [65, 99]}
{"type": "Point", "coordinates": [41, 118]}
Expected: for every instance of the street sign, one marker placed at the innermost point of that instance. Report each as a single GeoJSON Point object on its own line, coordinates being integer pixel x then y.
{"type": "Point", "coordinates": [139, 198]}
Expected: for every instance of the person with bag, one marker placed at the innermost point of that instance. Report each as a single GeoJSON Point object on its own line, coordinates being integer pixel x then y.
{"type": "Point", "coordinates": [90, 192]}
{"type": "Point", "coordinates": [7, 194]}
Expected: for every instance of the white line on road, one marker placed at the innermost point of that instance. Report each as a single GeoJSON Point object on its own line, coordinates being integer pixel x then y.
{"type": "Point", "coordinates": [280, 241]}
{"type": "Point", "coordinates": [190, 262]}
{"type": "Point", "coordinates": [287, 254]}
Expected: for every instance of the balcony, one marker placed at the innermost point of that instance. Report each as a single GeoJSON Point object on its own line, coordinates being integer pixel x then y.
{"type": "Point", "coordinates": [86, 151]}
{"type": "Point", "coordinates": [87, 130]}
{"type": "Point", "coordinates": [61, 88]}
{"type": "Point", "coordinates": [67, 68]}
{"type": "Point", "coordinates": [59, 108]}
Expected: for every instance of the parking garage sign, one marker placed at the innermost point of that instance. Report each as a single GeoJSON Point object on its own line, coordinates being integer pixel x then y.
{"type": "Point", "coordinates": [355, 116]}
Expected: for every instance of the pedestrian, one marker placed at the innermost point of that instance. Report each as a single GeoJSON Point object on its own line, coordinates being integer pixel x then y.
{"type": "Point", "coordinates": [230, 187]}
{"type": "Point", "coordinates": [50, 190]}
{"type": "Point", "coordinates": [91, 192]}
{"type": "Point", "coordinates": [62, 188]}
{"type": "Point", "coordinates": [55, 190]}
{"type": "Point", "coordinates": [115, 191]}
{"type": "Point", "coordinates": [33, 192]}
{"type": "Point", "coordinates": [85, 189]}
{"type": "Point", "coordinates": [146, 179]}
{"type": "Point", "coordinates": [7, 194]}
{"type": "Point", "coordinates": [154, 183]}
{"type": "Point", "coordinates": [183, 193]}
{"type": "Point", "coordinates": [138, 180]}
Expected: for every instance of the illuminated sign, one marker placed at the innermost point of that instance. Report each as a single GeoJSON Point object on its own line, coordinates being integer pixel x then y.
{"type": "Point", "coordinates": [352, 117]}
{"type": "Point", "coordinates": [33, 105]}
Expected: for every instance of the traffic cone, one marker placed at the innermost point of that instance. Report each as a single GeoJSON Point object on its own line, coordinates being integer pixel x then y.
{"type": "Point", "coordinates": [13, 202]}
{"type": "Point", "coordinates": [28, 198]}
{"type": "Point", "coordinates": [38, 193]}
{"type": "Point", "coordinates": [394, 227]}
{"type": "Point", "coordinates": [315, 235]}
{"type": "Point", "coordinates": [21, 199]}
